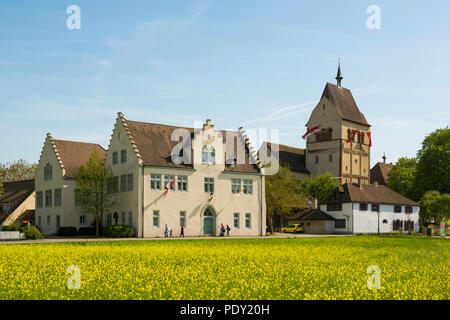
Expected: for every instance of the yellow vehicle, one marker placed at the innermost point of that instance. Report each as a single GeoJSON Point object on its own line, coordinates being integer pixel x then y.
{"type": "Point", "coordinates": [293, 228]}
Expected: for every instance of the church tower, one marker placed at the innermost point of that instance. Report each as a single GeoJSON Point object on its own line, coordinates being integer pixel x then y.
{"type": "Point", "coordinates": [341, 145]}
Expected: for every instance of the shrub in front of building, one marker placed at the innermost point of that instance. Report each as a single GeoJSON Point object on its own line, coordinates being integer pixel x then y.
{"type": "Point", "coordinates": [31, 233]}
{"type": "Point", "coordinates": [85, 231]}
{"type": "Point", "coordinates": [67, 232]}
{"type": "Point", "coordinates": [119, 232]}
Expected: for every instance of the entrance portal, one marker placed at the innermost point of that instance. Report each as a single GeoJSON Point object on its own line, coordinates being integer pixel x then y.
{"type": "Point", "coordinates": [208, 222]}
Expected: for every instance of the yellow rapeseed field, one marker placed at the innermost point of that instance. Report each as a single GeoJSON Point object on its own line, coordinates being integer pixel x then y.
{"type": "Point", "coordinates": [309, 268]}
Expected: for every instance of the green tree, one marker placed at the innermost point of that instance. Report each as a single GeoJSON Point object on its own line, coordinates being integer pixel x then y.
{"type": "Point", "coordinates": [283, 193]}
{"type": "Point", "coordinates": [92, 179]}
{"type": "Point", "coordinates": [433, 163]}
{"type": "Point", "coordinates": [1, 189]}
{"type": "Point", "coordinates": [402, 178]}
{"type": "Point", "coordinates": [319, 187]}
{"type": "Point", "coordinates": [435, 208]}
{"type": "Point", "coordinates": [17, 170]}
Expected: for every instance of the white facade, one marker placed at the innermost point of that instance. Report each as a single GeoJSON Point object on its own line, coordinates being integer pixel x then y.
{"type": "Point", "coordinates": [147, 207]}
{"type": "Point", "coordinates": [357, 221]}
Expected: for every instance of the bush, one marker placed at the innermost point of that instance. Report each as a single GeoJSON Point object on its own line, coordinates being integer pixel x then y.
{"type": "Point", "coordinates": [31, 232]}
{"type": "Point", "coordinates": [13, 227]}
{"type": "Point", "coordinates": [119, 232]}
{"type": "Point", "coordinates": [86, 231]}
{"type": "Point", "coordinates": [67, 232]}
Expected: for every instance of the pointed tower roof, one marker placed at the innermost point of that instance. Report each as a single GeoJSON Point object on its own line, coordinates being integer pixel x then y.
{"type": "Point", "coordinates": [344, 102]}
{"type": "Point", "coordinates": [339, 76]}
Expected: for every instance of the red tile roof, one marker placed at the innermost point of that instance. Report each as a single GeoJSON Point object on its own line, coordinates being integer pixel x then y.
{"type": "Point", "coordinates": [380, 173]}
{"type": "Point", "coordinates": [73, 154]}
{"type": "Point", "coordinates": [345, 104]}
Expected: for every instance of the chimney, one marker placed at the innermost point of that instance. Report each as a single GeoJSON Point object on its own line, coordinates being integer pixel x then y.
{"type": "Point", "coordinates": [315, 204]}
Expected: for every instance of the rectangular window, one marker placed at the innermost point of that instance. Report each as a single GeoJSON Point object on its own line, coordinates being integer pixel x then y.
{"type": "Point", "coordinates": [108, 219]}
{"type": "Point", "coordinates": [339, 224]}
{"type": "Point", "coordinates": [39, 221]}
{"type": "Point", "coordinates": [408, 209]}
{"type": "Point", "coordinates": [58, 197]}
{"type": "Point", "coordinates": [130, 219]}
{"type": "Point", "coordinates": [334, 207]}
{"type": "Point", "coordinates": [209, 185]}
{"type": "Point", "coordinates": [130, 182]}
{"type": "Point", "coordinates": [155, 181]}
{"type": "Point", "coordinates": [83, 219]}
{"type": "Point", "coordinates": [248, 220]}
{"type": "Point", "coordinates": [48, 220]}
{"type": "Point", "coordinates": [115, 184]}
{"type": "Point", "coordinates": [48, 198]}
{"type": "Point", "coordinates": [39, 199]}
{"type": "Point", "coordinates": [48, 172]}
{"type": "Point", "coordinates": [248, 186]}
{"type": "Point", "coordinates": [123, 156]}
{"type": "Point", "coordinates": [115, 158]}
{"type": "Point", "coordinates": [397, 209]}
{"type": "Point", "coordinates": [236, 220]}
{"type": "Point", "coordinates": [363, 207]}
{"type": "Point", "coordinates": [375, 207]}
{"type": "Point", "coordinates": [123, 183]}
{"type": "Point", "coordinates": [168, 181]}
{"type": "Point", "coordinates": [235, 186]}
{"type": "Point", "coordinates": [156, 218]}
{"type": "Point", "coordinates": [183, 218]}
{"type": "Point", "coordinates": [77, 198]}
{"type": "Point", "coordinates": [123, 218]}
{"type": "Point", "coordinates": [183, 183]}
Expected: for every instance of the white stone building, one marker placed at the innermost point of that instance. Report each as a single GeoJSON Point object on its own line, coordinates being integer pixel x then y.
{"type": "Point", "coordinates": [215, 187]}
{"type": "Point", "coordinates": [55, 185]}
{"type": "Point", "coordinates": [369, 208]}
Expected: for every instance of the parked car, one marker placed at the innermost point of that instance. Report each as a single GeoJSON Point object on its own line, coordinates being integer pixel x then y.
{"type": "Point", "coordinates": [292, 228]}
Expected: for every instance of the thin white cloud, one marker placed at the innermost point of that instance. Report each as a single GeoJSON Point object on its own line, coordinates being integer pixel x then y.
{"type": "Point", "coordinates": [284, 112]}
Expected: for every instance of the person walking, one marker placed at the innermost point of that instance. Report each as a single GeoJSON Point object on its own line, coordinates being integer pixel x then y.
{"type": "Point", "coordinates": [228, 230]}
{"type": "Point", "coordinates": [171, 234]}
{"type": "Point", "coordinates": [166, 231]}
{"type": "Point", "coordinates": [182, 232]}
{"type": "Point", "coordinates": [222, 230]}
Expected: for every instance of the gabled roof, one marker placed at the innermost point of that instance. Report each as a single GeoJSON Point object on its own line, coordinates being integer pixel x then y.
{"type": "Point", "coordinates": [153, 144]}
{"type": "Point", "coordinates": [345, 104]}
{"type": "Point", "coordinates": [294, 158]}
{"type": "Point", "coordinates": [72, 154]}
{"type": "Point", "coordinates": [15, 190]}
{"type": "Point", "coordinates": [15, 193]}
{"type": "Point", "coordinates": [352, 193]}
{"type": "Point", "coordinates": [380, 173]}
{"type": "Point", "coordinates": [312, 215]}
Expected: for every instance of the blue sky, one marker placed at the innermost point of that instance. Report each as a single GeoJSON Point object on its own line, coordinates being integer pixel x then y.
{"type": "Point", "coordinates": [252, 63]}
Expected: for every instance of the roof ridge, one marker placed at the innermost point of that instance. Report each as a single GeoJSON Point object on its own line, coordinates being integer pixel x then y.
{"type": "Point", "coordinates": [121, 117]}
{"type": "Point", "coordinates": [55, 149]}
{"type": "Point", "coordinates": [72, 141]}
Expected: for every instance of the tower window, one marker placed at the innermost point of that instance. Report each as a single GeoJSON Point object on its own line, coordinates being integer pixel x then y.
{"type": "Point", "coordinates": [349, 134]}
{"type": "Point", "coordinates": [331, 158]}
{"type": "Point", "coordinates": [317, 159]}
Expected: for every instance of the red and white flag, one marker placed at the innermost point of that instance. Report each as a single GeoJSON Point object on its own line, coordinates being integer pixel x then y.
{"type": "Point", "coordinates": [310, 132]}
{"type": "Point", "coordinates": [353, 134]}
{"type": "Point", "coordinates": [369, 134]}
{"type": "Point", "coordinates": [169, 185]}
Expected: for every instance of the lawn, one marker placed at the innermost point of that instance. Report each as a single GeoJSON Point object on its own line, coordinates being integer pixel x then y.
{"type": "Point", "coordinates": [296, 268]}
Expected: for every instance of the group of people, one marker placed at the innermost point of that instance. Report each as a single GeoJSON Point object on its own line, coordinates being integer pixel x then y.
{"type": "Point", "coordinates": [169, 234]}
{"type": "Point", "coordinates": [223, 229]}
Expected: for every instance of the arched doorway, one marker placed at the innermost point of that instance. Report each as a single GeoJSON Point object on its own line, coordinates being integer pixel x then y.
{"type": "Point", "coordinates": [209, 222]}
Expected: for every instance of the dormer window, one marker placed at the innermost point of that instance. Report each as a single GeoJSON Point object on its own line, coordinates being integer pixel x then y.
{"type": "Point", "coordinates": [209, 155]}
{"type": "Point", "coordinates": [48, 172]}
